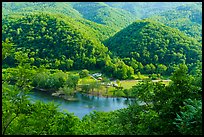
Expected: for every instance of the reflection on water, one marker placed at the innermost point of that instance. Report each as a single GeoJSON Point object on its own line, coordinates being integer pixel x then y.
{"type": "Point", "coordinates": [85, 103]}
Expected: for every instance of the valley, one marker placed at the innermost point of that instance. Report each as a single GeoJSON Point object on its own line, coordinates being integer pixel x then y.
{"type": "Point", "coordinates": [101, 68]}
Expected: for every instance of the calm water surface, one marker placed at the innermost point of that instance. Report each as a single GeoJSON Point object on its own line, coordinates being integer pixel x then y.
{"type": "Point", "coordinates": [85, 103]}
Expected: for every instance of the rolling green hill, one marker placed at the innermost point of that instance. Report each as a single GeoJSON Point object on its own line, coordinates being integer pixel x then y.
{"type": "Point", "coordinates": [51, 50]}
{"type": "Point", "coordinates": [150, 42]}
{"type": "Point", "coordinates": [107, 18]}
{"type": "Point", "coordinates": [64, 8]}
{"type": "Point", "coordinates": [54, 38]}
{"type": "Point", "coordinates": [60, 42]}
{"type": "Point", "coordinates": [102, 13]}
{"type": "Point", "coordinates": [53, 7]}
{"type": "Point", "coordinates": [187, 18]}
{"type": "Point", "coordinates": [145, 9]}
{"type": "Point", "coordinates": [143, 45]}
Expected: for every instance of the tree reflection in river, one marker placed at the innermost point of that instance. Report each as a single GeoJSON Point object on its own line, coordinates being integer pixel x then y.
{"type": "Point", "coordinates": [85, 103]}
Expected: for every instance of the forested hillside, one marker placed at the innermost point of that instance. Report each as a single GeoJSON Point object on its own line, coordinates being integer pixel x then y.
{"type": "Point", "coordinates": [64, 8]}
{"type": "Point", "coordinates": [152, 44]}
{"type": "Point", "coordinates": [53, 7]}
{"type": "Point", "coordinates": [145, 9]}
{"type": "Point", "coordinates": [53, 39]}
{"type": "Point", "coordinates": [131, 68]}
{"type": "Point", "coordinates": [103, 14]}
{"type": "Point", "coordinates": [187, 18]}
{"type": "Point", "coordinates": [112, 16]}
{"type": "Point", "coordinates": [60, 42]}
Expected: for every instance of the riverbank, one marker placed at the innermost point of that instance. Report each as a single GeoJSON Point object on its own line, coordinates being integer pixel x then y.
{"type": "Point", "coordinates": [56, 93]}
{"type": "Point", "coordinates": [102, 91]}
{"type": "Point", "coordinates": [85, 104]}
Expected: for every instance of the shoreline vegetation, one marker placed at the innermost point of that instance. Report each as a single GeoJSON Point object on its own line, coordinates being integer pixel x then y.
{"type": "Point", "coordinates": [64, 84]}
{"type": "Point", "coordinates": [107, 49]}
{"type": "Point", "coordinates": [61, 94]}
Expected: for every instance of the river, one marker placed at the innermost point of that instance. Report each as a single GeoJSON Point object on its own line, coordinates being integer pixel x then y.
{"type": "Point", "coordinates": [85, 103]}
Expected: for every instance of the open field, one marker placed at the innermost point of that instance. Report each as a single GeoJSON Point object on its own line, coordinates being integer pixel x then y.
{"type": "Point", "coordinates": [127, 84]}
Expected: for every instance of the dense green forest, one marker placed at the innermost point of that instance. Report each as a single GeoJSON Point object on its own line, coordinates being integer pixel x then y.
{"type": "Point", "coordinates": [53, 7]}
{"type": "Point", "coordinates": [156, 46]}
{"type": "Point", "coordinates": [96, 12]}
{"type": "Point", "coordinates": [55, 46]}
{"type": "Point", "coordinates": [116, 15]}
{"type": "Point", "coordinates": [101, 13]}
{"type": "Point", "coordinates": [187, 18]}
{"type": "Point", "coordinates": [79, 48]}
{"type": "Point", "coordinates": [64, 8]}
{"type": "Point", "coordinates": [177, 107]}
{"type": "Point", "coordinates": [46, 33]}
{"type": "Point", "coordinates": [139, 9]}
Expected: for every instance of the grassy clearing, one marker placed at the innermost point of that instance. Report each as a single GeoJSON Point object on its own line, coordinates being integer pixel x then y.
{"type": "Point", "coordinates": [165, 77]}
{"type": "Point", "coordinates": [144, 76]}
{"type": "Point", "coordinates": [165, 82]}
{"type": "Point", "coordinates": [127, 84]}
{"type": "Point", "coordinates": [90, 71]}
{"type": "Point", "coordinates": [86, 80]}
